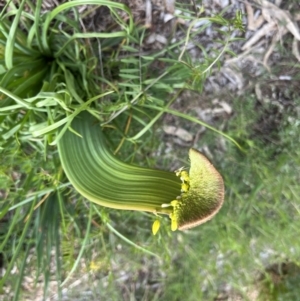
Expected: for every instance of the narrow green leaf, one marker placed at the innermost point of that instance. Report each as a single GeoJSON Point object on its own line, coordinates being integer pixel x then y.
{"type": "Point", "coordinates": [10, 44]}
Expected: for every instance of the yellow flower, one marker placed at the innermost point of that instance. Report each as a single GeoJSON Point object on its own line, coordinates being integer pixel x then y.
{"type": "Point", "coordinates": [155, 226]}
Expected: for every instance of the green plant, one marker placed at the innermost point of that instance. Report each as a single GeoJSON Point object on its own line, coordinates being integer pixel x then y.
{"type": "Point", "coordinates": [49, 74]}
{"type": "Point", "coordinates": [96, 173]}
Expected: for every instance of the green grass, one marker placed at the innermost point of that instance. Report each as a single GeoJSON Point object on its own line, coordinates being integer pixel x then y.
{"type": "Point", "coordinates": [257, 226]}
{"type": "Point", "coordinates": [51, 70]}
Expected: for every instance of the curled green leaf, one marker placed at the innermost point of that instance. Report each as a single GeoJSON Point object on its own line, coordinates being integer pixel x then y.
{"type": "Point", "coordinates": [104, 179]}
{"type": "Point", "coordinates": [188, 198]}
{"type": "Point", "coordinates": [204, 196]}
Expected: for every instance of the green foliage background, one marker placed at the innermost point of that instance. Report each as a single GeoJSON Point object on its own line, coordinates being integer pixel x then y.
{"type": "Point", "coordinates": [49, 73]}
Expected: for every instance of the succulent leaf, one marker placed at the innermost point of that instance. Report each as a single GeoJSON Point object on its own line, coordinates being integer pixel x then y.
{"type": "Point", "coordinates": [189, 199]}
{"type": "Point", "coordinates": [104, 179]}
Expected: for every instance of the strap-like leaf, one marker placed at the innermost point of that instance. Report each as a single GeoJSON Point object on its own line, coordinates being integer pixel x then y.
{"type": "Point", "coordinates": [102, 178]}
